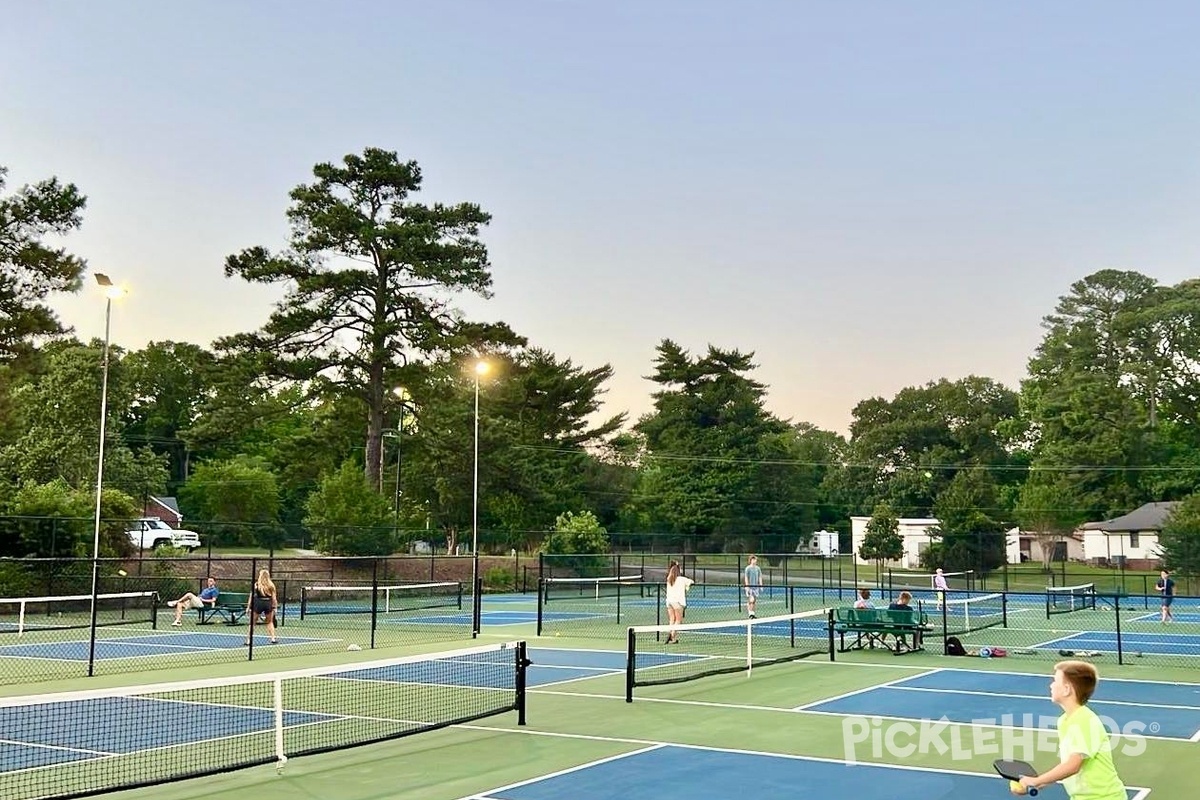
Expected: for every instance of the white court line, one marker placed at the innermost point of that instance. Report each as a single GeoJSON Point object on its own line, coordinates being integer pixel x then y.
{"type": "Point", "coordinates": [868, 689]}
{"type": "Point", "coordinates": [1043, 674]}
{"type": "Point", "coordinates": [41, 746]}
{"type": "Point", "coordinates": [809, 710]}
{"type": "Point", "coordinates": [567, 771]}
{"type": "Point", "coordinates": [650, 746]}
{"type": "Point", "coordinates": [1092, 701]}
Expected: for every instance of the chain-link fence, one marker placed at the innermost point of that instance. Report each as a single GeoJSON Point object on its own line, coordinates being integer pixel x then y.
{"type": "Point", "coordinates": [1076, 621]}
{"type": "Point", "coordinates": [48, 629]}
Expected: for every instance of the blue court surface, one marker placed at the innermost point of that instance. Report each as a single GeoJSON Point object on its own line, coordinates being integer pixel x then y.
{"type": "Point", "coordinates": [151, 644]}
{"type": "Point", "coordinates": [1147, 708]}
{"type": "Point", "coordinates": [1132, 643]}
{"type": "Point", "coordinates": [68, 731]}
{"type": "Point", "coordinates": [697, 773]}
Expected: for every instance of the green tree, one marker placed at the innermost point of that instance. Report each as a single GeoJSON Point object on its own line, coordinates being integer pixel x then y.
{"type": "Point", "coordinates": [54, 519]}
{"type": "Point", "coordinates": [713, 455]}
{"type": "Point", "coordinates": [368, 274]}
{"type": "Point", "coordinates": [1179, 539]}
{"type": "Point", "coordinates": [536, 426]}
{"type": "Point", "coordinates": [971, 524]}
{"type": "Point", "coordinates": [578, 535]}
{"type": "Point", "coordinates": [168, 383]}
{"type": "Point", "coordinates": [882, 540]}
{"type": "Point", "coordinates": [348, 517]}
{"type": "Point", "coordinates": [906, 450]}
{"type": "Point", "coordinates": [30, 269]}
{"type": "Point", "coordinates": [59, 410]}
{"type": "Point", "coordinates": [1112, 391]}
{"type": "Point", "coordinates": [236, 500]}
{"type": "Point", "coordinates": [1047, 509]}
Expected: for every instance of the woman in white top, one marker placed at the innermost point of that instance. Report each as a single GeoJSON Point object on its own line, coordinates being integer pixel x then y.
{"type": "Point", "coordinates": [677, 587]}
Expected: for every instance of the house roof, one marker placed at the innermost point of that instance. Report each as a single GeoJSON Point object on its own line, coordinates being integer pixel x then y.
{"type": "Point", "coordinates": [1149, 517]}
{"type": "Point", "coordinates": [168, 503]}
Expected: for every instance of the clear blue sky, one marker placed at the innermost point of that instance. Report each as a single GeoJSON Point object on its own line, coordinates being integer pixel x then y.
{"type": "Point", "coordinates": [868, 195]}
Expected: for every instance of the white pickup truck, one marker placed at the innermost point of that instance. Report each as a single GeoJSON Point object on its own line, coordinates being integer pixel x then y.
{"type": "Point", "coordinates": [149, 533]}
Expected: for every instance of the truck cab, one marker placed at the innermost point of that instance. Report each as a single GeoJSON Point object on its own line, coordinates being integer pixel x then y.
{"type": "Point", "coordinates": [150, 533]}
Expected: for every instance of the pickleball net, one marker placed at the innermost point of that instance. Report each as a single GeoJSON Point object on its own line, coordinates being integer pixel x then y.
{"type": "Point", "coordinates": [22, 614]}
{"type": "Point", "coordinates": [590, 588]}
{"type": "Point", "coordinates": [380, 599]}
{"type": "Point", "coordinates": [74, 744]}
{"type": "Point", "coordinates": [713, 648]}
{"type": "Point", "coordinates": [1067, 599]}
{"type": "Point", "coordinates": [971, 614]}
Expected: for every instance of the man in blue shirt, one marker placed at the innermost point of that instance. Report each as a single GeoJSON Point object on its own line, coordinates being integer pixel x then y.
{"type": "Point", "coordinates": [207, 597]}
{"type": "Point", "coordinates": [1166, 587]}
{"type": "Point", "coordinates": [753, 584]}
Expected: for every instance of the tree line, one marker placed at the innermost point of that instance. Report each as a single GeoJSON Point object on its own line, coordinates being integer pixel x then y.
{"type": "Point", "coordinates": [349, 414]}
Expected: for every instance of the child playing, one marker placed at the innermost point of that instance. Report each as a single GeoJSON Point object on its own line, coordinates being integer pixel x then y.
{"type": "Point", "coordinates": [1086, 769]}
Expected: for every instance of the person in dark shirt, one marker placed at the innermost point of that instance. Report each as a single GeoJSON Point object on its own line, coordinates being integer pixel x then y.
{"type": "Point", "coordinates": [1166, 588]}
{"type": "Point", "coordinates": [902, 604]}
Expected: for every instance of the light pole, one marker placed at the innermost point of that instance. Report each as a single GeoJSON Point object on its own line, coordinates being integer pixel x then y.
{"type": "Point", "coordinates": [400, 392]}
{"type": "Point", "coordinates": [110, 292]}
{"type": "Point", "coordinates": [481, 368]}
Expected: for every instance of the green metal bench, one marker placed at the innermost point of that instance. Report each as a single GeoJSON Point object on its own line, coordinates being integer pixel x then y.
{"type": "Point", "coordinates": [230, 606]}
{"type": "Point", "coordinates": [897, 631]}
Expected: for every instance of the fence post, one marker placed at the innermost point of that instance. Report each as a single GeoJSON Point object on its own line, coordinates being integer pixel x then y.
{"type": "Point", "coordinates": [374, 598]}
{"type": "Point", "coordinates": [253, 611]}
{"type": "Point", "coordinates": [1117, 611]}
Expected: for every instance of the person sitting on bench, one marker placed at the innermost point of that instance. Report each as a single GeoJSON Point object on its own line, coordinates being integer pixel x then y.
{"type": "Point", "coordinates": [902, 604]}
{"type": "Point", "coordinates": [208, 597]}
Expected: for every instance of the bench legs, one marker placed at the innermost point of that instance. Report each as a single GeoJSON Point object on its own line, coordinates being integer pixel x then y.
{"type": "Point", "coordinates": [231, 616]}
{"type": "Point", "coordinates": [903, 642]}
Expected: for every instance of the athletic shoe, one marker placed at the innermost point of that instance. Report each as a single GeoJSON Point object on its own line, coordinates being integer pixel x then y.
{"type": "Point", "coordinates": [171, 603]}
{"type": "Point", "coordinates": [752, 617]}
{"type": "Point", "coordinates": [176, 624]}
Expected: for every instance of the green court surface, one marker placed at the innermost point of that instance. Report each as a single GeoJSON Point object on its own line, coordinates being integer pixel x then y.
{"type": "Point", "coordinates": [578, 717]}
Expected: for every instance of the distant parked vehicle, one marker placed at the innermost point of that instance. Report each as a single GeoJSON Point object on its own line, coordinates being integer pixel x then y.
{"type": "Point", "coordinates": [821, 543]}
{"type": "Point", "coordinates": [150, 533]}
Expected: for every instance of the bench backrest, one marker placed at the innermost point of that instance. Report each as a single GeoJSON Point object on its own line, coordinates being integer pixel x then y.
{"type": "Point", "coordinates": [233, 599]}
{"type": "Point", "coordinates": [880, 616]}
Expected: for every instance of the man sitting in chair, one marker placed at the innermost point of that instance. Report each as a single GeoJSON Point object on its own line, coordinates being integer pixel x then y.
{"type": "Point", "coordinates": [208, 597]}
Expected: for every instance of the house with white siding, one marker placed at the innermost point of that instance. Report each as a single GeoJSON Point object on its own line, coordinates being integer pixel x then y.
{"type": "Point", "coordinates": [1130, 540]}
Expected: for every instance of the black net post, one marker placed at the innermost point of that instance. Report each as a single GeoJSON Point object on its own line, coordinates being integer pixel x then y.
{"type": "Point", "coordinates": [374, 599]}
{"type": "Point", "coordinates": [541, 602]}
{"type": "Point", "coordinates": [630, 661]}
{"type": "Point", "coordinates": [253, 611]}
{"type": "Point", "coordinates": [91, 669]}
{"type": "Point", "coordinates": [1117, 611]}
{"type": "Point", "coordinates": [829, 625]}
{"type": "Point", "coordinates": [477, 607]}
{"type": "Point", "coordinates": [523, 663]}
{"type": "Point", "coordinates": [945, 621]}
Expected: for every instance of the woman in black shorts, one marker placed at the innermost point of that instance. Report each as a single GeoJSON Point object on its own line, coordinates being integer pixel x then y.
{"type": "Point", "coordinates": [263, 603]}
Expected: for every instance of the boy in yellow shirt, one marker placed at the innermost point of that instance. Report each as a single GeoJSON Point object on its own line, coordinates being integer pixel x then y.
{"type": "Point", "coordinates": [1086, 768]}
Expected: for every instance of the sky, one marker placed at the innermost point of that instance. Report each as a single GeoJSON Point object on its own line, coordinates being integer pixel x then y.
{"type": "Point", "coordinates": [866, 195]}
